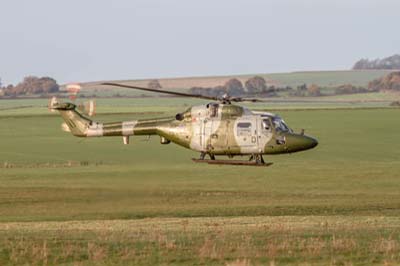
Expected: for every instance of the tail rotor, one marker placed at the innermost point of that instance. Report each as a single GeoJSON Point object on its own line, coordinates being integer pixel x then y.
{"type": "Point", "coordinates": [86, 107]}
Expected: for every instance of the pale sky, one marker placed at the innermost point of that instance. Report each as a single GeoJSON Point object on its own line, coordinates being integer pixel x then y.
{"type": "Point", "coordinates": [89, 40]}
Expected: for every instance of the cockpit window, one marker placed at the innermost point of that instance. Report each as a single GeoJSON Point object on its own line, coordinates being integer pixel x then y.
{"type": "Point", "coordinates": [266, 124]}
{"type": "Point", "coordinates": [280, 124]}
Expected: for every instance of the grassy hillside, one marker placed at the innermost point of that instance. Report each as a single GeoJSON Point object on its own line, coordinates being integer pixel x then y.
{"type": "Point", "coordinates": [322, 78]}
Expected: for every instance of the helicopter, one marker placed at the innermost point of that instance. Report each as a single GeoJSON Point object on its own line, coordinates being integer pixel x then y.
{"type": "Point", "coordinates": [217, 128]}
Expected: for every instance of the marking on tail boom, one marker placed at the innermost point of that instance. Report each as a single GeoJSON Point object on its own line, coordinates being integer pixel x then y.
{"type": "Point", "coordinates": [127, 127]}
{"type": "Point", "coordinates": [95, 130]}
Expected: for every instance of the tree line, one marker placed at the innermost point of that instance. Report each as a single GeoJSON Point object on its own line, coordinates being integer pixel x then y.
{"type": "Point", "coordinates": [255, 86]}
{"type": "Point", "coordinates": [391, 62]}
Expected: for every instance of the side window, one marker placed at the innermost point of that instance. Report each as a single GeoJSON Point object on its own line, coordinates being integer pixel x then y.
{"type": "Point", "coordinates": [266, 125]}
{"type": "Point", "coordinates": [244, 129]}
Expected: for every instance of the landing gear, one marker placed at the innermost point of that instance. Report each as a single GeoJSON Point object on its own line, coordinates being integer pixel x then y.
{"type": "Point", "coordinates": [259, 159]}
{"type": "Point", "coordinates": [203, 156]}
{"type": "Point", "coordinates": [255, 160]}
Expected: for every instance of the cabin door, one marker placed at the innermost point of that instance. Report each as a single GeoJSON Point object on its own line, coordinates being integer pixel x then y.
{"type": "Point", "coordinates": [206, 132]}
{"type": "Point", "coordinates": [215, 135]}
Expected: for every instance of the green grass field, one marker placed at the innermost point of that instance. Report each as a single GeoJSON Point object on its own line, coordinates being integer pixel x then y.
{"type": "Point", "coordinates": [70, 201]}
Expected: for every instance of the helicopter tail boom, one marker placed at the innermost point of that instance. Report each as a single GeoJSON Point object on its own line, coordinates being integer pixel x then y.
{"type": "Point", "coordinates": [82, 126]}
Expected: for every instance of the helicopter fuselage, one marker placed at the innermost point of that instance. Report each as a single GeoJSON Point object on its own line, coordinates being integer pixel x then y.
{"type": "Point", "coordinates": [214, 128]}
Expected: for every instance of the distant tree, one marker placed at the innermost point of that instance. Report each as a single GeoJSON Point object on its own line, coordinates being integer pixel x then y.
{"type": "Point", "coordinates": [234, 87]}
{"type": "Point", "coordinates": [9, 91]}
{"type": "Point", "coordinates": [300, 91]}
{"type": "Point", "coordinates": [361, 64]}
{"type": "Point", "coordinates": [255, 84]}
{"type": "Point", "coordinates": [48, 85]}
{"type": "Point", "coordinates": [302, 87]}
{"type": "Point", "coordinates": [197, 90]}
{"type": "Point", "coordinates": [313, 90]}
{"type": "Point", "coordinates": [33, 85]}
{"type": "Point", "coordinates": [208, 92]}
{"type": "Point", "coordinates": [154, 84]}
{"type": "Point", "coordinates": [219, 91]}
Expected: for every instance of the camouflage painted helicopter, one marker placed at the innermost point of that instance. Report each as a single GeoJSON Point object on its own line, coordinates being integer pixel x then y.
{"type": "Point", "coordinates": [215, 128]}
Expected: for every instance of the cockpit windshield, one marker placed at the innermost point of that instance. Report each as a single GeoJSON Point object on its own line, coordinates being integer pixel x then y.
{"type": "Point", "coordinates": [280, 124]}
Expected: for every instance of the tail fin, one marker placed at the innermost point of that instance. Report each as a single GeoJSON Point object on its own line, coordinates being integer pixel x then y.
{"type": "Point", "coordinates": [77, 124]}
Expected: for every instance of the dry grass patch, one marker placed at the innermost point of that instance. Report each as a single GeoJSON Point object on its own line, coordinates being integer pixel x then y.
{"type": "Point", "coordinates": [287, 240]}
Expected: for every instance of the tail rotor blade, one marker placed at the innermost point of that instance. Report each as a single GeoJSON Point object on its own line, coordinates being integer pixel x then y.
{"type": "Point", "coordinates": [53, 102]}
{"type": "Point", "coordinates": [88, 108]}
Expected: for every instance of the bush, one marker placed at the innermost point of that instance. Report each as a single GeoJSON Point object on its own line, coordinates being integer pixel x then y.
{"type": "Point", "coordinates": [390, 82]}
{"type": "Point", "coordinates": [350, 89]}
{"type": "Point", "coordinates": [314, 90]}
{"type": "Point", "coordinates": [395, 104]}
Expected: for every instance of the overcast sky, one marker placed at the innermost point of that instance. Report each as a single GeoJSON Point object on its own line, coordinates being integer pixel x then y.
{"type": "Point", "coordinates": [87, 40]}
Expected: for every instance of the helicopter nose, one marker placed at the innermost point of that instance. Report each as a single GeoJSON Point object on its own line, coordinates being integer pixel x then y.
{"type": "Point", "coordinates": [309, 142]}
{"type": "Point", "coordinates": [314, 143]}
{"type": "Point", "coordinates": [296, 142]}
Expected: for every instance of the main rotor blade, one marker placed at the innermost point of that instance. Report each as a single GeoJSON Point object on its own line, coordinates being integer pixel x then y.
{"type": "Point", "coordinates": [18, 107]}
{"type": "Point", "coordinates": [238, 99]}
{"type": "Point", "coordinates": [161, 91]}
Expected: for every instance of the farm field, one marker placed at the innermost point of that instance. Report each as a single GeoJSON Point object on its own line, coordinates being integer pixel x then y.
{"type": "Point", "coordinates": [70, 201]}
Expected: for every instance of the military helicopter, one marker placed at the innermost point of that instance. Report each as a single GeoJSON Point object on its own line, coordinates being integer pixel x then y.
{"type": "Point", "coordinates": [213, 129]}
